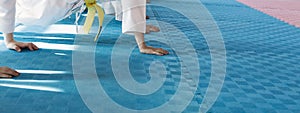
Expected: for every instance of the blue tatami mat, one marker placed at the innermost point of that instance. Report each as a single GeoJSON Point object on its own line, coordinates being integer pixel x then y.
{"type": "Point", "coordinates": [262, 64]}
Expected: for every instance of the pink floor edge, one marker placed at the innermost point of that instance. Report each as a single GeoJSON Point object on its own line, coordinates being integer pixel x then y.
{"type": "Point", "coordinates": [285, 10]}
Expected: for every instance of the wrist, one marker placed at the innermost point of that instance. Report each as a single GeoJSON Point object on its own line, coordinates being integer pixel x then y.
{"type": "Point", "coordinates": [8, 37]}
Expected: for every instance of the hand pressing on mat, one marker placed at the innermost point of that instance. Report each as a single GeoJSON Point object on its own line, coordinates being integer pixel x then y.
{"type": "Point", "coordinates": [17, 46]}
{"type": "Point", "coordinates": [6, 72]}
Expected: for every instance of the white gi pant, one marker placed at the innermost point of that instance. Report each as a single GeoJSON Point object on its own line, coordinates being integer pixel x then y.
{"type": "Point", "coordinates": [134, 16]}
{"type": "Point", "coordinates": [46, 12]}
{"type": "Point", "coordinates": [132, 13]}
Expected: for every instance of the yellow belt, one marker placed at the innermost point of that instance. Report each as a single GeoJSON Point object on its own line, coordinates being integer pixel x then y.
{"type": "Point", "coordinates": [93, 7]}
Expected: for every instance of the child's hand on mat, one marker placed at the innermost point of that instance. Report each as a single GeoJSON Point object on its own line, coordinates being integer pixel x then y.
{"type": "Point", "coordinates": [18, 46]}
{"type": "Point", "coordinates": [6, 72]}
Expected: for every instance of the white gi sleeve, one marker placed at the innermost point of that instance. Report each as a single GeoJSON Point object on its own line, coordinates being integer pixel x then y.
{"type": "Point", "coordinates": [7, 15]}
{"type": "Point", "coordinates": [42, 12]}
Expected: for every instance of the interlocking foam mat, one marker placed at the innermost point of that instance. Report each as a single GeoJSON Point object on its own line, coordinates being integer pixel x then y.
{"type": "Point", "coordinates": [262, 64]}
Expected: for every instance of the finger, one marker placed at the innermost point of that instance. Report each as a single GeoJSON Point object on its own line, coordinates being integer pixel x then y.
{"type": "Point", "coordinates": [35, 47]}
{"type": "Point", "coordinates": [165, 52]}
{"type": "Point", "coordinates": [157, 53]}
{"type": "Point", "coordinates": [10, 72]}
{"type": "Point", "coordinates": [17, 48]}
{"type": "Point", "coordinates": [5, 76]}
{"type": "Point", "coordinates": [30, 46]}
{"type": "Point", "coordinates": [162, 51]}
{"type": "Point", "coordinates": [14, 73]}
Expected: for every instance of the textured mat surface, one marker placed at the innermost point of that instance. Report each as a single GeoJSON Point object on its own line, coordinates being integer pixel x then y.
{"type": "Point", "coordinates": [262, 64]}
{"type": "Point", "coordinates": [285, 10]}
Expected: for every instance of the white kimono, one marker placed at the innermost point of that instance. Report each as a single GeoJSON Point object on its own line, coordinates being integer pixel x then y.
{"type": "Point", "coordinates": [45, 12]}
{"type": "Point", "coordinates": [33, 12]}
{"type": "Point", "coordinates": [113, 7]}
{"type": "Point", "coordinates": [132, 13]}
{"type": "Point", "coordinates": [134, 16]}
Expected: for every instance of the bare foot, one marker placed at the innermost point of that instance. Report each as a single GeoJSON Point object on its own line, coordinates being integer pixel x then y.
{"type": "Point", "coordinates": [151, 28]}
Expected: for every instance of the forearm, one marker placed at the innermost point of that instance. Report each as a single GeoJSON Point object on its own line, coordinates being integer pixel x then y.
{"type": "Point", "coordinates": [7, 25]}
